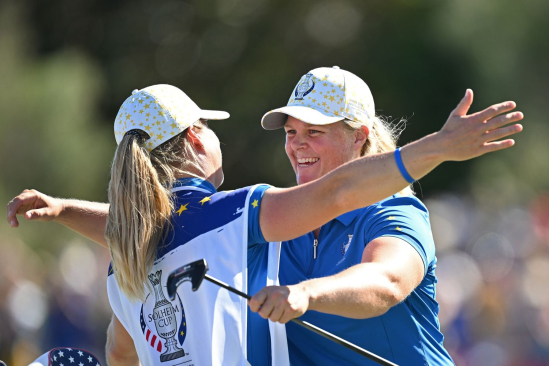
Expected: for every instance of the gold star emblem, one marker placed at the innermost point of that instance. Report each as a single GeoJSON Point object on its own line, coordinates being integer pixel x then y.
{"type": "Point", "coordinates": [255, 203]}
{"type": "Point", "coordinates": [147, 106]}
{"type": "Point", "coordinates": [204, 200]}
{"type": "Point", "coordinates": [174, 125]}
{"type": "Point", "coordinates": [181, 209]}
{"type": "Point", "coordinates": [331, 98]}
{"type": "Point", "coordinates": [182, 333]}
{"type": "Point", "coordinates": [140, 101]}
{"type": "Point", "coordinates": [141, 111]}
{"type": "Point", "coordinates": [148, 114]}
{"type": "Point", "coordinates": [160, 113]}
{"type": "Point", "coordinates": [148, 128]}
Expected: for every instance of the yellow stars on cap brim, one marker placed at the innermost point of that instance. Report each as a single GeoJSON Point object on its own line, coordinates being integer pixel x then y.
{"type": "Point", "coordinates": [181, 209]}
{"type": "Point", "coordinates": [204, 200]}
{"type": "Point", "coordinates": [399, 229]}
{"type": "Point", "coordinates": [255, 203]}
{"type": "Point", "coordinates": [391, 218]}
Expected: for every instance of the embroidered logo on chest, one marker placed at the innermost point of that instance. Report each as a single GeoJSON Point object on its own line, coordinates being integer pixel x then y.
{"type": "Point", "coordinates": [345, 245]}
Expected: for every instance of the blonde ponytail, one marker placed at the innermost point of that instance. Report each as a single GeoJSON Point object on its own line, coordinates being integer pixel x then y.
{"type": "Point", "coordinates": [382, 138]}
{"type": "Point", "coordinates": [141, 204]}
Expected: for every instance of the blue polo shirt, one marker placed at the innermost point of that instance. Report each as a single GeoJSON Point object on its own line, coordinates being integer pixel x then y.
{"type": "Point", "coordinates": [409, 333]}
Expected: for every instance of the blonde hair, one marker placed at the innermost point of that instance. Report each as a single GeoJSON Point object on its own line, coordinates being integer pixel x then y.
{"type": "Point", "coordinates": [141, 203]}
{"type": "Point", "coordinates": [382, 138]}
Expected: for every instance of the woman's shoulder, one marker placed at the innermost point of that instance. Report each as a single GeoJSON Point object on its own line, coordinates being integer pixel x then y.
{"type": "Point", "coordinates": [409, 205]}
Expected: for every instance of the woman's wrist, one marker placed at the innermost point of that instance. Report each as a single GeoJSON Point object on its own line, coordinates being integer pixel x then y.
{"type": "Point", "coordinates": [422, 156]}
{"type": "Point", "coordinates": [60, 209]}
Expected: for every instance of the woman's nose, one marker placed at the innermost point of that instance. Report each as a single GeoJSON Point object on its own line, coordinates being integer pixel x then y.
{"type": "Point", "coordinates": [298, 142]}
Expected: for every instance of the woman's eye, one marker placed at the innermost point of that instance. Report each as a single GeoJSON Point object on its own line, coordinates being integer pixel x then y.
{"type": "Point", "coordinates": [314, 131]}
{"type": "Point", "coordinates": [290, 132]}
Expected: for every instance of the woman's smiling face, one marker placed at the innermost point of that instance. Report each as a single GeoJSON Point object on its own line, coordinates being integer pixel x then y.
{"type": "Point", "coordinates": [317, 150]}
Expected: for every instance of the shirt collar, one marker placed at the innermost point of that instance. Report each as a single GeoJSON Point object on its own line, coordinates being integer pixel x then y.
{"type": "Point", "coordinates": [347, 218]}
{"type": "Point", "coordinates": [195, 182]}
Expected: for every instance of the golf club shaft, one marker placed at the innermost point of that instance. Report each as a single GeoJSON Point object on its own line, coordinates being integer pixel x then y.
{"type": "Point", "coordinates": [314, 328]}
{"type": "Point", "coordinates": [227, 287]}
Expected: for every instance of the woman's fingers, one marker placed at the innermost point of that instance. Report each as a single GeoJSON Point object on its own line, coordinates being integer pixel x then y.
{"type": "Point", "coordinates": [19, 204]}
{"type": "Point", "coordinates": [33, 205]}
{"type": "Point", "coordinates": [277, 313]}
{"type": "Point", "coordinates": [493, 111]}
{"type": "Point", "coordinates": [37, 214]}
{"type": "Point", "coordinates": [502, 132]}
{"type": "Point", "coordinates": [464, 105]}
{"type": "Point", "coordinates": [503, 120]}
{"type": "Point", "coordinates": [497, 145]}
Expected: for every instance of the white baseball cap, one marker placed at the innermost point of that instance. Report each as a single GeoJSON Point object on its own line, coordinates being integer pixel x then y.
{"type": "Point", "coordinates": [323, 96]}
{"type": "Point", "coordinates": [161, 111]}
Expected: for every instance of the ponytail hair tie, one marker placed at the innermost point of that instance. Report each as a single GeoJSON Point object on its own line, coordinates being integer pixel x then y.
{"type": "Point", "coordinates": [140, 135]}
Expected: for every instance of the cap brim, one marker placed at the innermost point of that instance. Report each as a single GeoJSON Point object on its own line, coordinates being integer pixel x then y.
{"type": "Point", "coordinates": [277, 118]}
{"type": "Point", "coordinates": [215, 115]}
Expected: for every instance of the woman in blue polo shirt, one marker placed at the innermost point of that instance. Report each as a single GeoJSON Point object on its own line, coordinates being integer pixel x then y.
{"type": "Point", "coordinates": [367, 276]}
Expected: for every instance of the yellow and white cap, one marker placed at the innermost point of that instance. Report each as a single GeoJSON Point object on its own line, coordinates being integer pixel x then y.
{"type": "Point", "coordinates": [323, 96]}
{"type": "Point", "coordinates": [161, 111]}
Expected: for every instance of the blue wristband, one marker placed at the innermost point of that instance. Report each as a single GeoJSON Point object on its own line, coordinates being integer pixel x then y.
{"type": "Point", "coordinates": [401, 167]}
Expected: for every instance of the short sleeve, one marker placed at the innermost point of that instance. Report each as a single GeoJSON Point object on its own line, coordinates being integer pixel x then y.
{"type": "Point", "coordinates": [255, 236]}
{"type": "Point", "coordinates": [405, 218]}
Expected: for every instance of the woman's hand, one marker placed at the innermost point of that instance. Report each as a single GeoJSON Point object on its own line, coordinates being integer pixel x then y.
{"type": "Point", "coordinates": [466, 136]}
{"type": "Point", "coordinates": [86, 218]}
{"type": "Point", "coordinates": [280, 303]}
{"type": "Point", "coordinates": [34, 206]}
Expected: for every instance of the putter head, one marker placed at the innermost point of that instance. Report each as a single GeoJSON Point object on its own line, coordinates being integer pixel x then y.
{"type": "Point", "coordinates": [193, 272]}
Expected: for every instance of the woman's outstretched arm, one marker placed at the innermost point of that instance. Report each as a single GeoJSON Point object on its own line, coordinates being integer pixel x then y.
{"type": "Point", "coordinates": [291, 212]}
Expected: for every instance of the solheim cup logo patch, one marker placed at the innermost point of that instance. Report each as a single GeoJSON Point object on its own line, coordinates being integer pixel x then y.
{"type": "Point", "coordinates": [163, 323]}
{"type": "Point", "coordinates": [305, 87]}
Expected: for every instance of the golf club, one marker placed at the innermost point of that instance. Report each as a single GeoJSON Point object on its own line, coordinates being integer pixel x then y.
{"type": "Point", "coordinates": [195, 272]}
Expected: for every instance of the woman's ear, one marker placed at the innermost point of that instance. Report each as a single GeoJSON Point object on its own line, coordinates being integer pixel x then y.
{"type": "Point", "coordinates": [194, 138]}
{"type": "Point", "coordinates": [361, 135]}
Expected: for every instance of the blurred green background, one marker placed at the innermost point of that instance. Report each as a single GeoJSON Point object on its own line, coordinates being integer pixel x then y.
{"type": "Point", "coordinates": [67, 66]}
